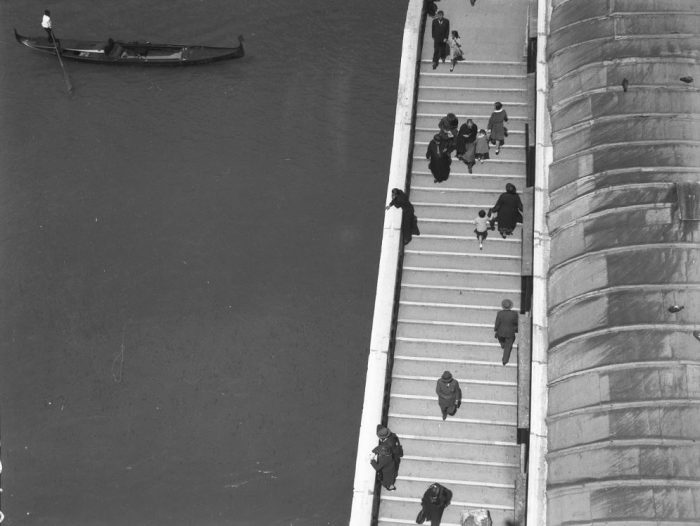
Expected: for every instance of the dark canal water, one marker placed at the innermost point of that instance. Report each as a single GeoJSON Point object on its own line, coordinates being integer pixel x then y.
{"type": "Point", "coordinates": [188, 262]}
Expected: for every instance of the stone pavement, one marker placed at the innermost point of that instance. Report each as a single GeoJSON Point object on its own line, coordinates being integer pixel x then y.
{"type": "Point", "coordinates": [451, 291]}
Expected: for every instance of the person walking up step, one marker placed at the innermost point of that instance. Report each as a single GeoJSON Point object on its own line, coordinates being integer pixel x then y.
{"type": "Point", "coordinates": [482, 228]}
{"type": "Point", "coordinates": [496, 127]}
{"type": "Point", "coordinates": [449, 394]}
{"type": "Point", "coordinates": [387, 457]}
{"type": "Point", "coordinates": [505, 327]}
{"type": "Point", "coordinates": [440, 34]}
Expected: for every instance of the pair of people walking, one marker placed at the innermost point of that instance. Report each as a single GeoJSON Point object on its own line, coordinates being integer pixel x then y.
{"type": "Point", "coordinates": [445, 41]}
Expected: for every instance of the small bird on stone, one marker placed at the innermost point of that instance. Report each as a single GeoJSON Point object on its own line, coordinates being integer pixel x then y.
{"type": "Point", "coordinates": [625, 83]}
{"type": "Point", "coordinates": [687, 80]}
{"type": "Point", "coordinates": [675, 308]}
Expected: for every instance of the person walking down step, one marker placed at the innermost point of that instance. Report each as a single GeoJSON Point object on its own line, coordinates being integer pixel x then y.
{"type": "Point", "coordinates": [435, 499]}
{"type": "Point", "coordinates": [482, 228]}
{"type": "Point", "coordinates": [438, 155]}
{"type": "Point", "coordinates": [505, 327]}
{"type": "Point", "coordinates": [466, 144]}
{"type": "Point", "coordinates": [481, 149]}
{"type": "Point", "coordinates": [409, 221]}
{"type": "Point", "coordinates": [440, 34]}
{"type": "Point", "coordinates": [508, 210]}
{"type": "Point", "coordinates": [496, 127]}
{"type": "Point", "coordinates": [449, 394]}
{"type": "Point", "coordinates": [456, 53]}
{"type": "Point", "coordinates": [387, 457]}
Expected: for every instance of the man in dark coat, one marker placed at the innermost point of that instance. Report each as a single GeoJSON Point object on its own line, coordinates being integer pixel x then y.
{"type": "Point", "coordinates": [505, 328]}
{"type": "Point", "coordinates": [441, 32]}
{"type": "Point", "coordinates": [449, 394]}
{"type": "Point", "coordinates": [435, 499]}
{"type": "Point", "coordinates": [389, 453]}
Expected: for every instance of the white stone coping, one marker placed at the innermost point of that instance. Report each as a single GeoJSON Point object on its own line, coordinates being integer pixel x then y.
{"type": "Point", "coordinates": [537, 472]}
{"type": "Point", "coordinates": [363, 486]}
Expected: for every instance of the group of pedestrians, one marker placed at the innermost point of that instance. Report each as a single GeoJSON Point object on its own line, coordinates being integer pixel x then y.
{"type": "Point", "coordinates": [386, 457]}
{"type": "Point", "coordinates": [469, 143]}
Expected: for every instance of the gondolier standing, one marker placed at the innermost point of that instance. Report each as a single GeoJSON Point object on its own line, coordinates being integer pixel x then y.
{"type": "Point", "coordinates": [46, 24]}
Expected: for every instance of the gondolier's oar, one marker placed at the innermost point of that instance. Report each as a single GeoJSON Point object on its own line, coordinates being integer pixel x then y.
{"type": "Point", "coordinates": [69, 86]}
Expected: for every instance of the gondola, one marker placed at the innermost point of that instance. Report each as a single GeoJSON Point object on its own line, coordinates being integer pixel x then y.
{"type": "Point", "coordinates": [142, 53]}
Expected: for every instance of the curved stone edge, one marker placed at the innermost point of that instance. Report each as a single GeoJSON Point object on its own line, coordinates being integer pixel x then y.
{"type": "Point", "coordinates": [364, 483]}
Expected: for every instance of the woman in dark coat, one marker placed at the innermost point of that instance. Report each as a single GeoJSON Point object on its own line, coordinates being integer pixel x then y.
{"type": "Point", "coordinates": [496, 128]}
{"type": "Point", "coordinates": [466, 144]}
{"type": "Point", "coordinates": [509, 210]}
{"type": "Point", "coordinates": [439, 156]}
{"type": "Point", "coordinates": [409, 221]}
{"type": "Point", "coordinates": [435, 499]}
{"type": "Point", "coordinates": [389, 453]}
{"type": "Point", "coordinates": [449, 394]}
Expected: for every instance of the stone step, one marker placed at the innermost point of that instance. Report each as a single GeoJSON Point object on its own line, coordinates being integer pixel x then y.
{"type": "Point", "coordinates": [476, 419]}
{"type": "Point", "coordinates": [437, 348]}
{"type": "Point", "coordinates": [439, 211]}
{"type": "Point", "coordinates": [466, 243]}
{"type": "Point", "coordinates": [426, 118]}
{"type": "Point", "coordinates": [442, 194]}
{"type": "Point", "coordinates": [502, 95]}
{"type": "Point", "coordinates": [460, 278]}
{"type": "Point", "coordinates": [470, 79]}
{"type": "Point", "coordinates": [457, 295]}
{"type": "Point", "coordinates": [462, 260]}
{"type": "Point", "coordinates": [509, 152]}
{"type": "Point", "coordinates": [458, 228]}
{"type": "Point", "coordinates": [492, 166]}
{"type": "Point", "coordinates": [438, 468]}
{"type": "Point", "coordinates": [480, 67]}
{"type": "Point", "coordinates": [399, 511]}
{"type": "Point", "coordinates": [466, 490]}
{"type": "Point", "coordinates": [471, 388]}
{"type": "Point", "coordinates": [516, 133]}
{"type": "Point", "coordinates": [447, 312]}
{"type": "Point", "coordinates": [491, 370]}
{"type": "Point", "coordinates": [478, 108]}
{"type": "Point", "coordinates": [460, 449]}
{"type": "Point", "coordinates": [480, 180]}
{"type": "Point", "coordinates": [438, 330]}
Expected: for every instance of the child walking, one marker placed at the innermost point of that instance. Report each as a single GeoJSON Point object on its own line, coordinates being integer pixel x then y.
{"type": "Point", "coordinates": [482, 146]}
{"type": "Point", "coordinates": [455, 49]}
{"type": "Point", "coordinates": [482, 228]}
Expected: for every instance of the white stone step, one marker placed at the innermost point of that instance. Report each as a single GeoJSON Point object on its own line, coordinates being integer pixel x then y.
{"type": "Point", "coordinates": [438, 348]}
{"type": "Point", "coordinates": [472, 388]}
{"type": "Point", "coordinates": [465, 243]}
{"type": "Point", "coordinates": [460, 278]}
{"type": "Point", "coordinates": [495, 68]}
{"type": "Point", "coordinates": [502, 95]}
{"type": "Point", "coordinates": [481, 179]}
{"type": "Point", "coordinates": [485, 370]}
{"type": "Point", "coordinates": [467, 79]}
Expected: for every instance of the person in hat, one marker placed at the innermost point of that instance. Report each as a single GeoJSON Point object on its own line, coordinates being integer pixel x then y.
{"type": "Point", "coordinates": [505, 328]}
{"type": "Point", "coordinates": [508, 210]}
{"type": "Point", "coordinates": [435, 499]}
{"type": "Point", "coordinates": [449, 394]}
{"type": "Point", "coordinates": [387, 457]}
{"type": "Point", "coordinates": [46, 24]}
{"type": "Point", "coordinates": [440, 34]}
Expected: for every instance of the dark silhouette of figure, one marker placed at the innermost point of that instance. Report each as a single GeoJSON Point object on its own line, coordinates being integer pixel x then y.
{"type": "Point", "coordinates": [465, 143]}
{"type": "Point", "coordinates": [505, 327]}
{"type": "Point", "coordinates": [438, 155]}
{"type": "Point", "coordinates": [509, 210]}
{"type": "Point", "coordinates": [388, 457]}
{"type": "Point", "coordinates": [435, 499]}
{"type": "Point", "coordinates": [449, 394]}
{"type": "Point", "coordinates": [409, 221]}
{"type": "Point", "coordinates": [440, 34]}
